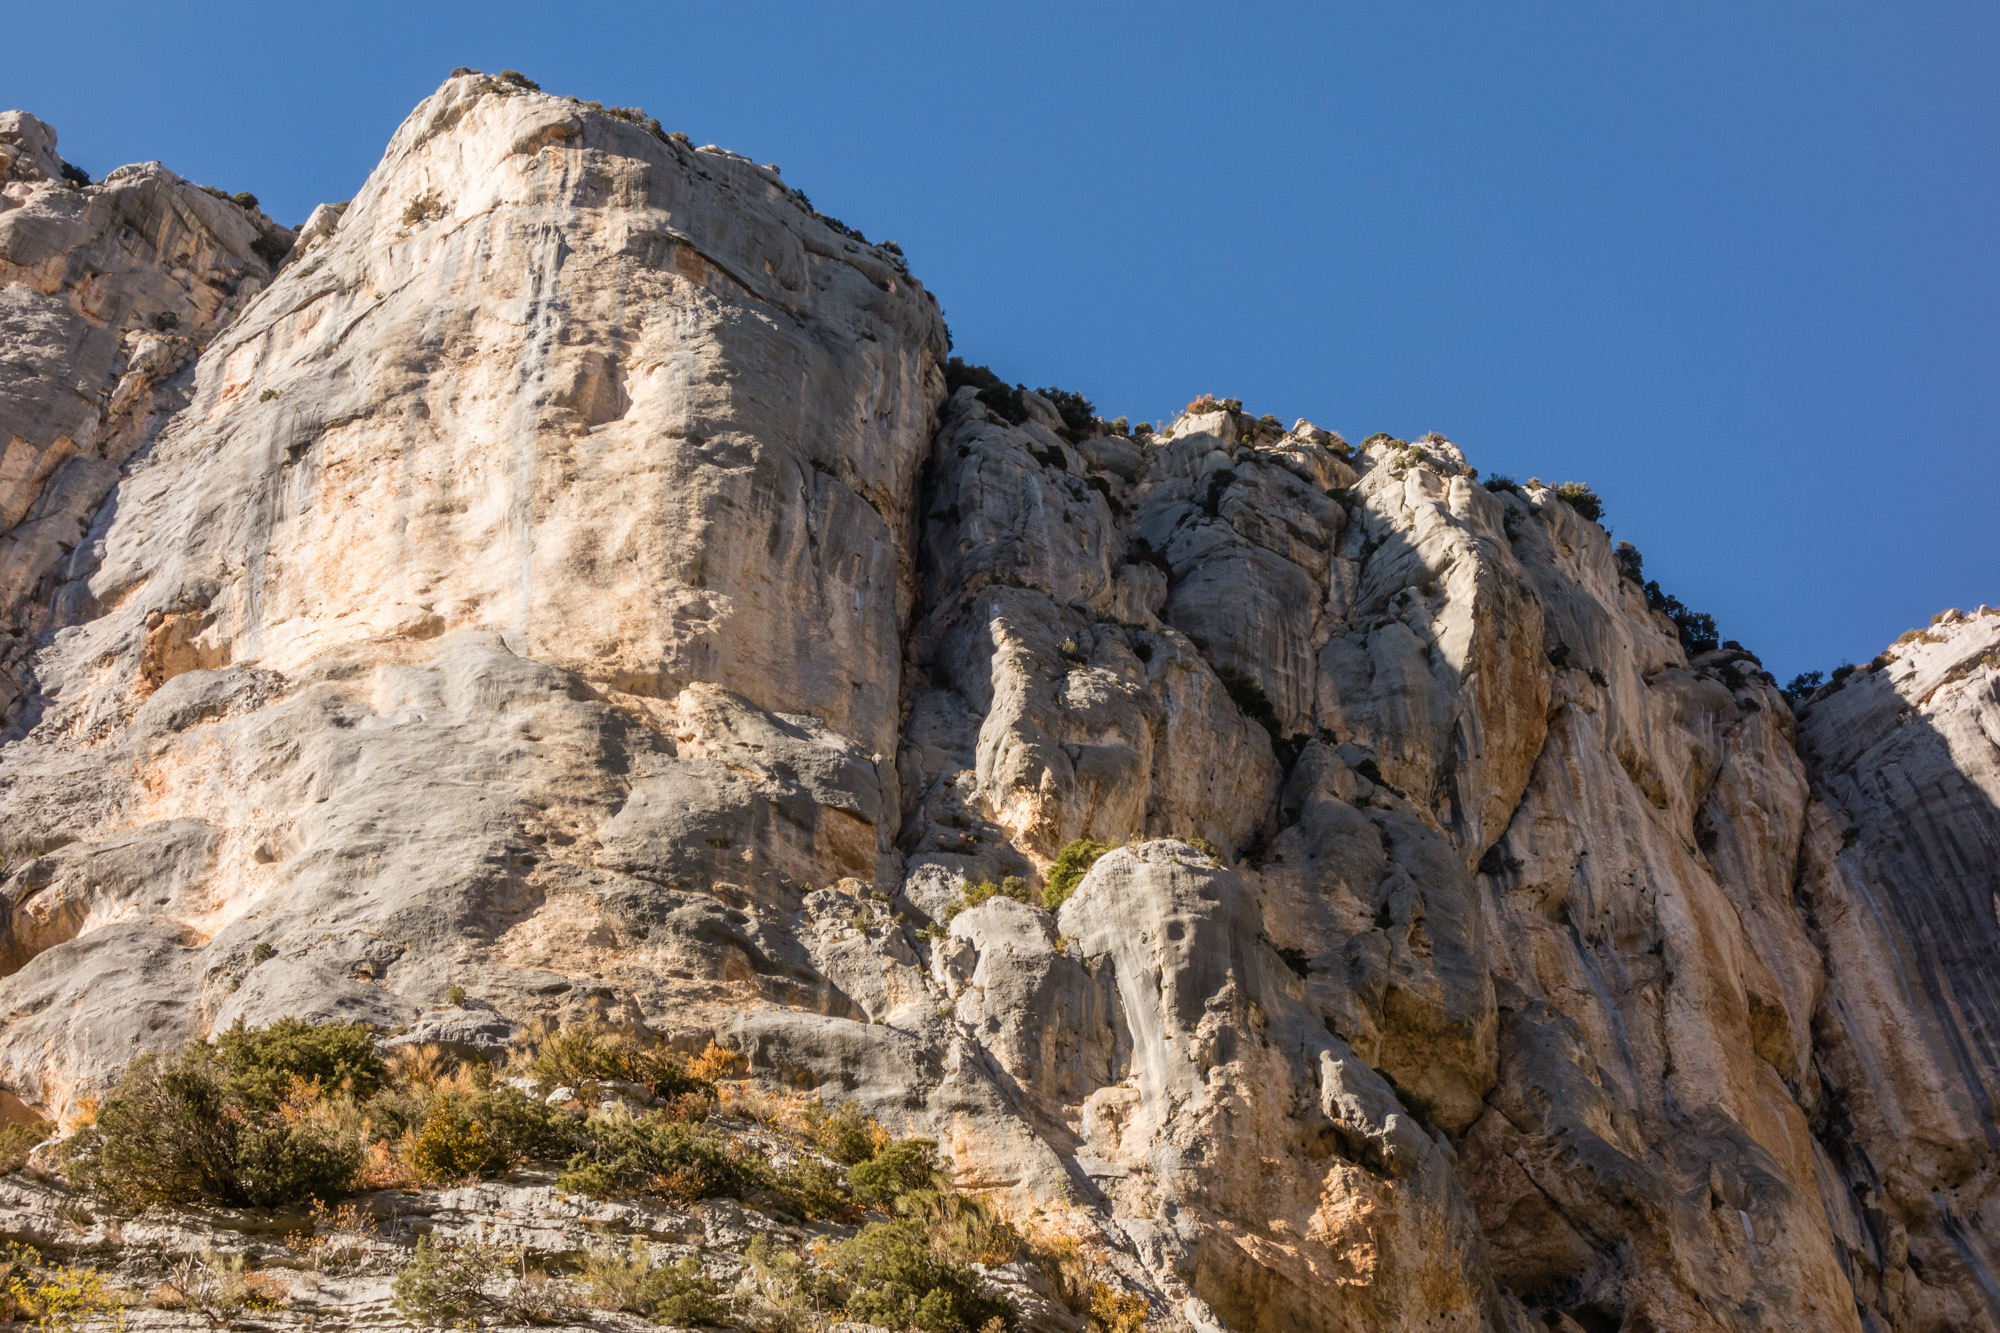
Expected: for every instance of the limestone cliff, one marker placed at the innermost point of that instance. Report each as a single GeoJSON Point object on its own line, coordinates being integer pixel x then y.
{"type": "Point", "coordinates": [572, 577]}
{"type": "Point", "coordinates": [108, 292]}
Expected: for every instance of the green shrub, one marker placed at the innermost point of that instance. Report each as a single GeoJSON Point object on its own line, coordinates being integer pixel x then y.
{"type": "Point", "coordinates": [993, 391]}
{"type": "Point", "coordinates": [678, 1294]}
{"type": "Point", "coordinates": [334, 1055]}
{"type": "Point", "coordinates": [445, 1282]}
{"type": "Point", "coordinates": [279, 1164]}
{"type": "Point", "coordinates": [903, 1168]}
{"type": "Point", "coordinates": [845, 1134]}
{"type": "Point", "coordinates": [181, 1129]}
{"type": "Point", "coordinates": [1802, 686]}
{"type": "Point", "coordinates": [1072, 863]}
{"type": "Point", "coordinates": [1010, 886]}
{"type": "Point", "coordinates": [524, 1129]}
{"type": "Point", "coordinates": [816, 1192]}
{"type": "Point", "coordinates": [1582, 499]}
{"type": "Point", "coordinates": [17, 1141]}
{"type": "Point", "coordinates": [652, 1154]}
{"type": "Point", "coordinates": [1696, 629]}
{"type": "Point", "coordinates": [1079, 414]}
{"type": "Point", "coordinates": [581, 1055]}
{"type": "Point", "coordinates": [455, 1145]}
{"type": "Point", "coordinates": [892, 1277]}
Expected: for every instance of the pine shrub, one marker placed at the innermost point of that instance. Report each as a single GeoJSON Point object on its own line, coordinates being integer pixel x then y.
{"type": "Point", "coordinates": [1072, 863]}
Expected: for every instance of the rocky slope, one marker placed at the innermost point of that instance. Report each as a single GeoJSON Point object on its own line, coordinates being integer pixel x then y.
{"type": "Point", "coordinates": [570, 578]}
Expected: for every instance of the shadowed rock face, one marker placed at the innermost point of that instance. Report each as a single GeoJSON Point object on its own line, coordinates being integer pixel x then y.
{"type": "Point", "coordinates": [568, 578]}
{"type": "Point", "coordinates": [1900, 883]}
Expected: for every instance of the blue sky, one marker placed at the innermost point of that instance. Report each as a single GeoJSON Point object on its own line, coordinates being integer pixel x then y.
{"type": "Point", "coordinates": [1733, 265]}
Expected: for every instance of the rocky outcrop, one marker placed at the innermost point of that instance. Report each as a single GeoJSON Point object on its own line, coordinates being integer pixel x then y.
{"type": "Point", "coordinates": [1900, 885]}
{"type": "Point", "coordinates": [574, 578]}
{"type": "Point", "coordinates": [108, 293]}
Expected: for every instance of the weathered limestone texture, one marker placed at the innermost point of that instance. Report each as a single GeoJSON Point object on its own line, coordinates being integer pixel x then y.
{"type": "Point", "coordinates": [569, 577]}
{"type": "Point", "coordinates": [1900, 880]}
{"type": "Point", "coordinates": [108, 293]}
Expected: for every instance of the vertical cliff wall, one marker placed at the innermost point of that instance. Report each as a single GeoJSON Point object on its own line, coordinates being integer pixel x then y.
{"type": "Point", "coordinates": [108, 293]}
{"type": "Point", "coordinates": [569, 578]}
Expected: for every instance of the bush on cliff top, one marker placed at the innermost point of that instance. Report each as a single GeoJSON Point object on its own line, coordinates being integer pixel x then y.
{"type": "Point", "coordinates": [1696, 629]}
{"type": "Point", "coordinates": [1582, 499]}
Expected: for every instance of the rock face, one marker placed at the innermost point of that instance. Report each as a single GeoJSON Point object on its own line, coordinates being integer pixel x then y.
{"type": "Point", "coordinates": [570, 578]}
{"type": "Point", "coordinates": [108, 293]}
{"type": "Point", "coordinates": [1900, 884]}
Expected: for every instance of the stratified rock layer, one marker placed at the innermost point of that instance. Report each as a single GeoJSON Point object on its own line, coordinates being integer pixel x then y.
{"type": "Point", "coordinates": [569, 579]}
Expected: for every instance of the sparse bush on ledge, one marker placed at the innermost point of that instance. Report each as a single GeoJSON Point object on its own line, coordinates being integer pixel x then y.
{"type": "Point", "coordinates": [1011, 886]}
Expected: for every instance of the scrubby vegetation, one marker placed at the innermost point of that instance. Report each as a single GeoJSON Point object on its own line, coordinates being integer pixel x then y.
{"type": "Point", "coordinates": [295, 1113]}
{"type": "Point", "coordinates": [424, 208]}
{"type": "Point", "coordinates": [1078, 413]}
{"type": "Point", "coordinates": [1010, 886]}
{"type": "Point", "coordinates": [1582, 499]}
{"type": "Point", "coordinates": [1072, 863]}
{"type": "Point", "coordinates": [259, 1119]}
{"type": "Point", "coordinates": [993, 392]}
{"type": "Point", "coordinates": [680, 1294]}
{"type": "Point", "coordinates": [1696, 629]}
{"type": "Point", "coordinates": [1802, 687]}
{"type": "Point", "coordinates": [53, 1296]}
